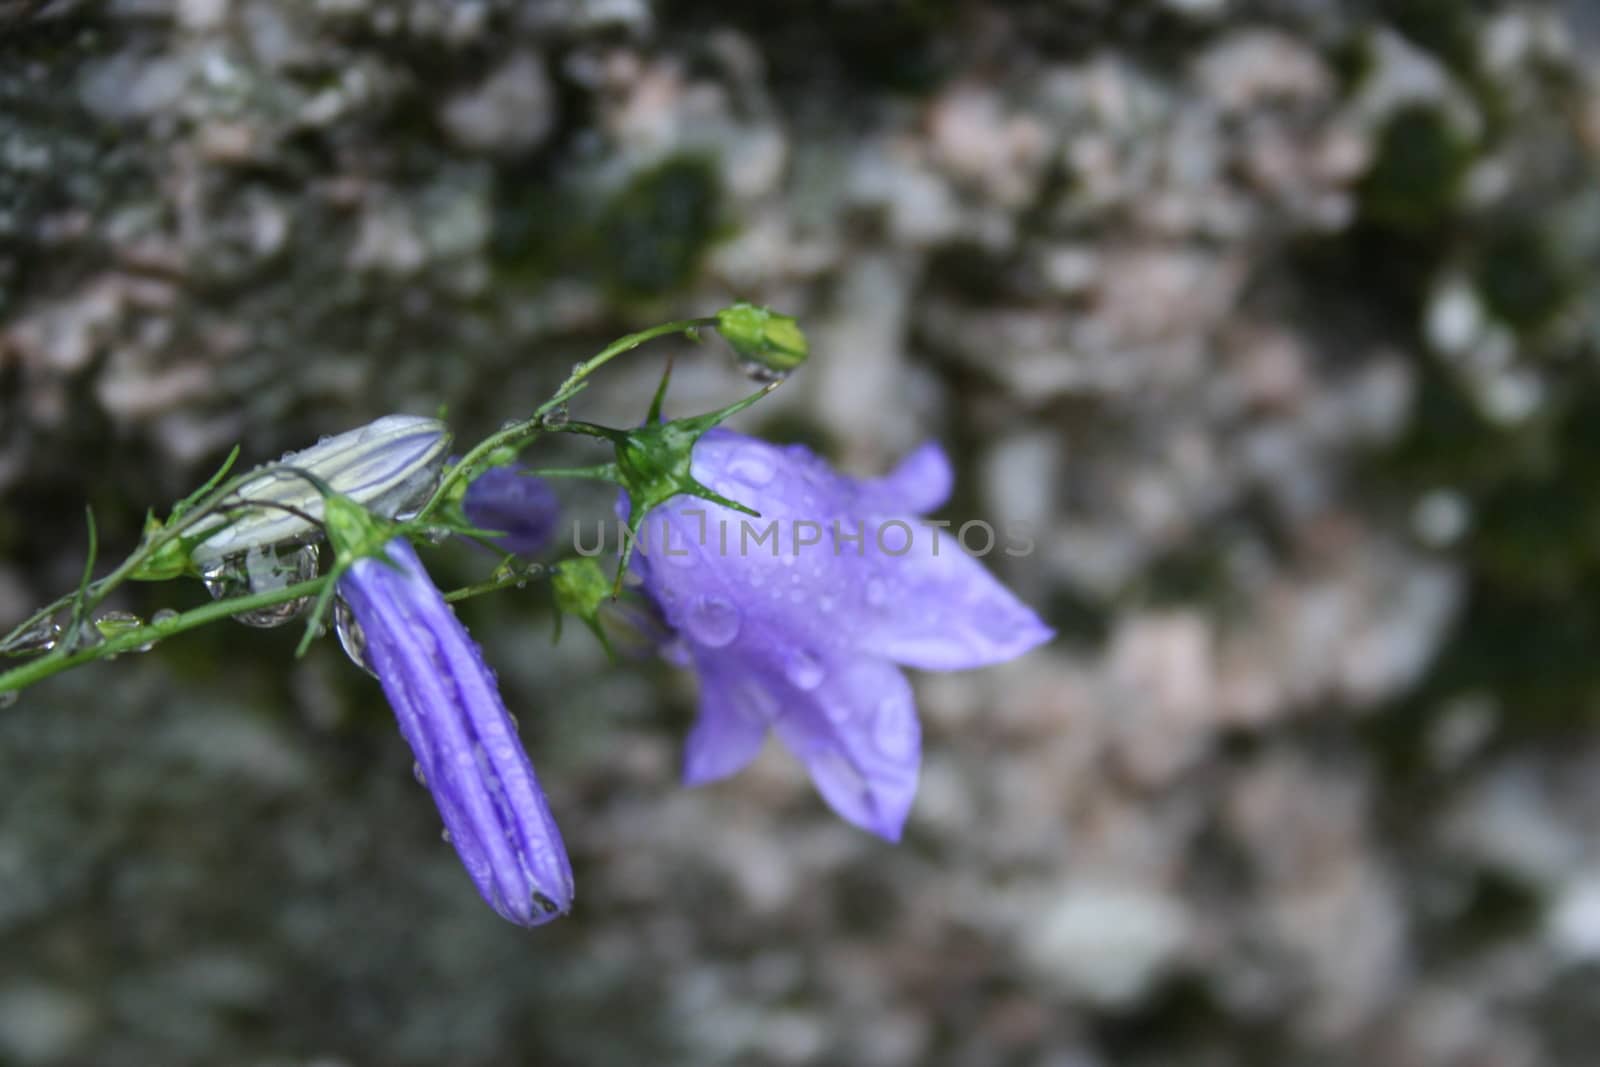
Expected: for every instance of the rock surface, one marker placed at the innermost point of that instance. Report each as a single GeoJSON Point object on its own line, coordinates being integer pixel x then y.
{"type": "Point", "coordinates": [1274, 322]}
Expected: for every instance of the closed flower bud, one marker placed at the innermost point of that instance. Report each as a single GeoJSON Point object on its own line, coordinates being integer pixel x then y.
{"type": "Point", "coordinates": [769, 345]}
{"type": "Point", "coordinates": [387, 466]}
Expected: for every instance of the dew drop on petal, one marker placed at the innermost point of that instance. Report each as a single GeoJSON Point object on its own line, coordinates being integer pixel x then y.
{"type": "Point", "coordinates": [895, 728]}
{"type": "Point", "coordinates": [416, 772]}
{"type": "Point", "coordinates": [997, 621]}
{"type": "Point", "coordinates": [713, 621]}
{"type": "Point", "coordinates": [803, 670]}
{"type": "Point", "coordinates": [444, 835]}
{"type": "Point", "coordinates": [351, 639]}
{"type": "Point", "coordinates": [824, 603]}
{"type": "Point", "coordinates": [751, 468]}
{"type": "Point", "coordinates": [837, 713]}
{"type": "Point", "coordinates": [877, 592]}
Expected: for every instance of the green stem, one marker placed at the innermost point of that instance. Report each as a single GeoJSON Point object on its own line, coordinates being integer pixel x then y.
{"type": "Point", "coordinates": [489, 585]}
{"type": "Point", "coordinates": [58, 660]}
{"type": "Point", "coordinates": [213, 498]}
{"type": "Point", "coordinates": [522, 433]}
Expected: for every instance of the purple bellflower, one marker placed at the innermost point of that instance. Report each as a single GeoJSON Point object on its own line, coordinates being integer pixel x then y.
{"type": "Point", "coordinates": [464, 740]}
{"type": "Point", "coordinates": [523, 508]}
{"type": "Point", "coordinates": [802, 630]}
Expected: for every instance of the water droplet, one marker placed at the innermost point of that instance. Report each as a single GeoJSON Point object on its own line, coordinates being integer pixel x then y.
{"type": "Point", "coordinates": [351, 639]}
{"type": "Point", "coordinates": [109, 624]}
{"type": "Point", "coordinates": [262, 569]}
{"type": "Point", "coordinates": [877, 592]}
{"type": "Point", "coordinates": [998, 621]}
{"type": "Point", "coordinates": [8, 699]}
{"type": "Point", "coordinates": [444, 835]}
{"type": "Point", "coordinates": [752, 468]}
{"type": "Point", "coordinates": [804, 670]}
{"type": "Point", "coordinates": [164, 615]}
{"type": "Point", "coordinates": [41, 637]}
{"type": "Point", "coordinates": [824, 603]}
{"type": "Point", "coordinates": [416, 772]}
{"type": "Point", "coordinates": [760, 372]}
{"type": "Point", "coordinates": [713, 621]}
{"type": "Point", "coordinates": [895, 729]}
{"type": "Point", "coordinates": [838, 714]}
{"type": "Point", "coordinates": [797, 596]}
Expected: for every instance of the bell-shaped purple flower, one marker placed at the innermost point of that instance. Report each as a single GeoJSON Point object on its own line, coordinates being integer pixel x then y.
{"type": "Point", "coordinates": [522, 507]}
{"type": "Point", "coordinates": [799, 621]}
{"type": "Point", "coordinates": [464, 740]}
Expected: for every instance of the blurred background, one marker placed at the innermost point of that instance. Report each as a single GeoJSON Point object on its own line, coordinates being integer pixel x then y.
{"type": "Point", "coordinates": [1278, 319]}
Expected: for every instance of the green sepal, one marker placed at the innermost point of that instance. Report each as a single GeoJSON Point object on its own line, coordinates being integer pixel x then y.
{"type": "Point", "coordinates": [353, 531]}
{"type": "Point", "coordinates": [580, 588]}
{"type": "Point", "coordinates": [654, 464]}
{"type": "Point", "coordinates": [169, 560]}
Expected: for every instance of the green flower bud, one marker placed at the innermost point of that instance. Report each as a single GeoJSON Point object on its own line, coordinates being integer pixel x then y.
{"type": "Point", "coordinates": [580, 586]}
{"type": "Point", "coordinates": [171, 560]}
{"type": "Point", "coordinates": [770, 345]}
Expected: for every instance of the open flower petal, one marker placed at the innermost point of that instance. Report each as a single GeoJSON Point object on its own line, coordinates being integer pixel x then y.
{"type": "Point", "coordinates": [857, 733]}
{"type": "Point", "coordinates": [799, 618]}
{"type": "Point", "coordinates": [730, 728]}
{"type": "Point", "coordinates": [919, 484]}
{"type": "Point", "coordinates": [942, 611]}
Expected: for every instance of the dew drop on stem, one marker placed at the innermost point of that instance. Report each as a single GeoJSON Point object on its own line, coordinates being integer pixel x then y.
{"type": "Point", "coordinates": [260, 570]}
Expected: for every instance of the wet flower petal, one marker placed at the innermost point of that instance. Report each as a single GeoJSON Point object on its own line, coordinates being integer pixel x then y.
{"type": "Point", "coordinates": [729, 731]}
{"type": "Point", "coordinates": [464, 741]}
{"type": "Point", "coordinates": [804, 630]}
{"type": "Point", "coordinates": [523, 507]}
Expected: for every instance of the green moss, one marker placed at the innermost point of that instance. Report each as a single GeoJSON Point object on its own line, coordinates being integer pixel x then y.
{"type": "Point", "coordinates": [1449, 442]}
{"type": "Point", "coordinates": [1522, 280]}
{"type": "Point", "coordinates": [654, 233]}
{"type": "Point", "coordinates": [1446, 28]}
{"type": "Point", "coordinates": [647, 240]}
{"type": "Point", "coordinates": [1416, 177]}
{"type": "Point", "coordinates": [539, 229]}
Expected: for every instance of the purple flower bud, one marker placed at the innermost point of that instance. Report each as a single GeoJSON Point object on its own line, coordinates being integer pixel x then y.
{"type": "Point", "coordinates": [523, 507]}
{"type": "Point", "coordinates": [796, 622]}
{"type": "Point", "coordinates": [464, 740]}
